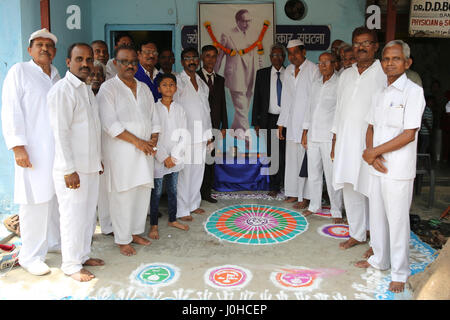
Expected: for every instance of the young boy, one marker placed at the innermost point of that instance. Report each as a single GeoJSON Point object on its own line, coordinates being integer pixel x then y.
{"type": "Point", "coordinates": [170, 152]}
{"type": "Point", "coordinates": [391, 141]}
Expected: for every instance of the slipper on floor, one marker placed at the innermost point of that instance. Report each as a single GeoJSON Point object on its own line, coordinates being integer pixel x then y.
{"type": "Point", "coordinates": [12, 224]}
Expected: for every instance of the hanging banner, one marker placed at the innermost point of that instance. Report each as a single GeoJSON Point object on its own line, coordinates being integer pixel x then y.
{"type": "Point", "coordinates": [429, 19]}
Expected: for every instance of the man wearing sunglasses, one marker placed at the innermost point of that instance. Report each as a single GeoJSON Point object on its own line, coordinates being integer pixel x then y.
{"type": "Point", "coordinates": [130, 133]}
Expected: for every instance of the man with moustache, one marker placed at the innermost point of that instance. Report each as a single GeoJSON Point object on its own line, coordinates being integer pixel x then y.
{"type": "Point", "coordinates": [121, 39]}
{"type": "Point", "coordinates": [217, 103]}
{"type": "Point", "coordinates": [394, 119]}
{"type": "Point", "coordinates": [97, 76]}
{"type": "Point", "coordinates": [267, 108]}
{"type": "Point", "coordinates": [76, 128]}
{"type": "Point", "coordinates": [298, 80]}
{"type": "Point", "coordinates": [147, 72]}
{"type": "Point", "coordinates": [100, 51]}
{"type": "Point", "coordinates": [27, 132]}
{"type": "Point", "coordinates": [130, 133]}
{"type": "Point", "coordinates": [347, 58]}
{"type": "Point", "coordinates": [192, 94]}
{"type": "Point", "coordinates": [357, 85]}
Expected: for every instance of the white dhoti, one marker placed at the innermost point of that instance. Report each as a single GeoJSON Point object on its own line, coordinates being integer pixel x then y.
{"type": "Point", "coordinates": [128, 210]}
{"type": "Point", "coordinates": [319, 163]}
{"type": "Point", "coordinates": [39, 226]}
{"type": "Point", "coordinates": [357, 210]}
{"type": "Point", "coordinates": [190, 180]}
{"type": "Point", "coordinates": [77, 208]}
{"type": "Point", "coordinates": [390, 201]}
{"type": "Point", "coordinates": [294, 185]}
{"type": "Point", "coordinates": [104, 218]}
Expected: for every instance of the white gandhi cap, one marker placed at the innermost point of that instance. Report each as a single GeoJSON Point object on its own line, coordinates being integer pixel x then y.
{"type": "Point", "coordinates": [43, 33]}
{"type": "Point", "coordinates": [294, 43]}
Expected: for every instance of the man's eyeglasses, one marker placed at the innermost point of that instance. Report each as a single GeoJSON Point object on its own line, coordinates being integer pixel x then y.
{"type": "Point", "coordinates": [325, 63]}
{"type": "Point", "coordinates": [365, 44]}
{"type": "Point", "coordinates": [149, 52]}
{"type": "Point", "coordinates": [191, 58]}
{"type": "Point", "coordinates": [127, 63]}
{"type": "Point", "coordinates": [276, 55]}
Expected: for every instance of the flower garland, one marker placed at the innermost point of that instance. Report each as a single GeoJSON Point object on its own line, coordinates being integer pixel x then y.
{"type": "Point", "coordinates": [232, 52]}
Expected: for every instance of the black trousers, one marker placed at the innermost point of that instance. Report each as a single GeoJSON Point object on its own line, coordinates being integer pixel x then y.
{"type": "Point", "coordinates": [208, 179]}
{"type": "Point", "coordinates": [276, 181]}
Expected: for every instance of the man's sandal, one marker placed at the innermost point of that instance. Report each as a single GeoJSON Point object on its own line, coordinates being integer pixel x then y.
{"type": "Point", "coordinates": [12, 224]}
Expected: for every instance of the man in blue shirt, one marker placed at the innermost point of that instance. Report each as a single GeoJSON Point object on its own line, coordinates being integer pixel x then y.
{"type": "Point", "coordinates": [147, 72]}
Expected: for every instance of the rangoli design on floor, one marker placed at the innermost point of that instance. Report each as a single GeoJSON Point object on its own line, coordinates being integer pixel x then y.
{"type": "Point", "coordinates": [155, 274]}
{"type": "Point", "coordinates": [324, 212]}
{"type": "Point", "coordinates": [228, 277]}
{"type": "Point", "coordinates": [336, 231]}
{"type": "Point", "coordinates": [255, 224]}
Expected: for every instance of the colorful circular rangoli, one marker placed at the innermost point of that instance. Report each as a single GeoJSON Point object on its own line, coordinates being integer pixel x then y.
{"type": "Point", "coordinates": [337, 231]}
{"type": "Point", "coordinates": [324, 212]}
{"type": "Point", "coordinates": [256, 224]}
{"type": "Point", "coordinates": [295, 278]}
{"type": "Point", "coordinates": [228, 277]}
{"type": "Point", "coordinates": [155, 274]}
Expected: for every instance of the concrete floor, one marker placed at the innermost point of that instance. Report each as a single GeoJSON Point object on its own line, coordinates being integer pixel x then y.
{"type": "Point", "coordinates": [191, 254]}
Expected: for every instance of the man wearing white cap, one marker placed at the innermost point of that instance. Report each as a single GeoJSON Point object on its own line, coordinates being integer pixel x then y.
{"type": "Point", "coordinates": [26, 129]}
{"type": "Point", "coordinates": [76, 126]}
{"type": "Point", "coordinates": [298, 79]}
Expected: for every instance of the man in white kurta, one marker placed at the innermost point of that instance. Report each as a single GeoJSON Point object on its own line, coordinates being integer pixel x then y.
{"type": "Point", "coordinates": [356, 87]}
{"type": "Point", "coordinates": [121, 40]}
{"type": "Point", "coordinates": [317, 138]}
{"type": "Point", "coordinates": [394, 119]}
{"type": "Point", "coordinates": [192, 94]}
{"type": "Point", "coordinates": [27, 131]}
{"type": "Point", "coordinates": [130, 121]}
{"type": "Point", "coordinates": [298, 79]}
{"type": "Point", "coordinates": [76, 127]}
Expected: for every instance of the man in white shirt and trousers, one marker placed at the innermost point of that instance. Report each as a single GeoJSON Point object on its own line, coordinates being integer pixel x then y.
{"type": "Point", "coordinates": [298, 79]}
{"type": "Point", "coordinates": [76, 127]}
{"type": "Point", "coordinates": [131, 125]}
{"type": "Point", "coordinates": [317, 138]}
{"type": "Point", "coordinates": [356, 87]}
{"type": "Point", "coordinates": [27, 131]}
{"type": "Point", "coordinates": [394, 119]}
{"type": "Point", "coordinates": [192, 93]}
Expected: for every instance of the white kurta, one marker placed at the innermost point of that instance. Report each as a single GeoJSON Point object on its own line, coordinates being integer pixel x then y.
{"type": "Point", "coordinates": [396, 108]}
{"type": "Point", "coordinates": [127, 167]}
{"type": "Point", "coordinates": [318, 122]}
{"type": "Point", "coordinates": [294, 103]}
{"type": "Point", "coordinates": [76, 127]}
{"type": "Point", "coordinates": [128, 171]}
{"type": "Point", "coordinates": [197, 110]}
{"type": "Point", "coordinates": [172, 138]}
{"type": "Point", "coordinates": [355, 92]}
{"type": "Point", "coordinates": [25, 121]}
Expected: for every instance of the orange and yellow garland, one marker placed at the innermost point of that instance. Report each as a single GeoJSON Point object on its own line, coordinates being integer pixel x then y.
{"type": "Point", "coordinates": [232, 52]}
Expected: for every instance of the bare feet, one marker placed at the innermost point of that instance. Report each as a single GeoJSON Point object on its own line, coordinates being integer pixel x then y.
{"type": "Point", "coordinates": [186, 218]}
{"type": "Point", "coordinates": [368, 234]}
{"type": "Point", "coordinates": [140, 240]}
{"type": "Point", "coordinates": [396, 287]}
{"type": "Point", "coordinates": [368, 253]}
{"type": "Point", "coordinates": [301, 205]}
{"type": "Point", "coordinates": [153, 234]}
{"type": "Point", "coordinates": [94, 262]}
{"type": "Point", "coordinates": [198, 211]}
{"type": "Point", "coordinates": [290, 199]}
{"type": "Point", "coordinates": [307, 213]}
{"type": "Point", "coordinates": [178, 225]}
{"type": "Point", "coordinates": [349, 243]}
{"type": "Point", "coordinates": [127, 250]}
{"type": "Point", "coordinates": [273, 193]}
{"type": "Point", "coordinates": [338, 221]}
{"type": "Point", "coordinates": [362, 264]}
{"type": "Point", "coordinates": [82, 276]}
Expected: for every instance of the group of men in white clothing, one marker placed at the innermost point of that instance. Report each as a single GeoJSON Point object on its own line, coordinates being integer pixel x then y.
{"type": "Point", "coordinates": [81, 142]}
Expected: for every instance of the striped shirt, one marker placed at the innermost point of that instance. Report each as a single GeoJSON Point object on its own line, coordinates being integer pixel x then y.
{"type": "Point", "coordinates": [427, 118]}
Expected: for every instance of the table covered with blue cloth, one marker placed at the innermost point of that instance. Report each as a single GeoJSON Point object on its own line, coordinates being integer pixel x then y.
{"type": "Point", "coordinates": [241, 174]}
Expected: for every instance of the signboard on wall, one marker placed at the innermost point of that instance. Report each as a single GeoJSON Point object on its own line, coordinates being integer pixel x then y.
{"type": "Point", "coordinates": [429, 19]}
{"type": "Point", "coordinates": [314, 37]}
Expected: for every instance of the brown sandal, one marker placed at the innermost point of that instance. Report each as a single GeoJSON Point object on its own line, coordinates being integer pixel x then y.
{"type": "Point", "coordinates": [12, 224]}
